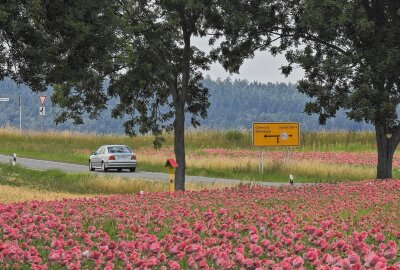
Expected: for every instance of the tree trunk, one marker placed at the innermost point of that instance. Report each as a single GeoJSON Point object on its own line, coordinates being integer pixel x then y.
{"type": "Point", "coordinates": [179, 103]}
{"type": "Point", "coordinates": [387, 144]}
{"type": "Point", "coordinates": [179, 145]}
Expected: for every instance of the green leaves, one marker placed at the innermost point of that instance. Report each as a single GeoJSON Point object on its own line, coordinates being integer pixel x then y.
{"type": "Point", "coordinates": [341, 46]}
{"type": "Point", "coordinates": [354, 42]}
{"type": "Point", "coordinates": [141, 49]}
{"type": "Point", "coordinates": [349, 51]}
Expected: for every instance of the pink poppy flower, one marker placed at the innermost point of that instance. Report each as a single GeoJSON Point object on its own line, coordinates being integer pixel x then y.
{"type": "Point", "coordinates": [173, 265]}
{"type": "Point", "coordinates": [55, 255]}
{"type": "Point", "coordinates": [297, 262]}
{"type": "Point", "coordinates": [155, 247]}
{"type": "Point", "coordinates": [112, 245]}
{"type": "Point", "coordinates": [390, 252]}
{"type": "Point", "coordinates": [354, 258]}
{"type": "Point", "coordinates": [151, 262]}
{"type": "Point", "coordinates": [203, 264]}
{"type": "Point", "coordinates": [371, 259]}
{"type": "Point", "coordinates": [256, 250]}
{"type": "Point", "coordinates": [254, 238]}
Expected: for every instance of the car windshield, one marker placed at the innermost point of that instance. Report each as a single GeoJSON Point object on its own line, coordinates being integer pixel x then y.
{"type": "Point", "coordinates": [119, 149]}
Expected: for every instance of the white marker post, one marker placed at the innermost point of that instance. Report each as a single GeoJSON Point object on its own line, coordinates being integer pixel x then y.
{"type": "Point", "coordinates": [14, 159]}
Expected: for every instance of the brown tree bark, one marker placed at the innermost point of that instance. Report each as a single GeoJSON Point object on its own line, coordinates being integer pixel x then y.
{"type": "Point", "coordinates": [179, 146]}
{"type": "Point", "coordinates": [387, 144]}
{"type": "Point", "coordinates": [179, 103]}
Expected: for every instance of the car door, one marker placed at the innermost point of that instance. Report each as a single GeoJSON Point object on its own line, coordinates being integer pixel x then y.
{"type": "Point", "coordinates": [96, 160]}
{"type": "Point", "coordinates": [103, 154]}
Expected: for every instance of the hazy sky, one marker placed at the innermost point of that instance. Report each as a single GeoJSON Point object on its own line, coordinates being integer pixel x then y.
{"type": "Point", "coordinates": [262, 68]}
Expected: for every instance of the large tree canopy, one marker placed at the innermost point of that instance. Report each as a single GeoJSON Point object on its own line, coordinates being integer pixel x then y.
{"type": "Point", "coordinates": [354, 65]}
{"type": "Point", "coordinates": [142, 49]}
{"type": "Point", "coordinates": [349, 50]}
{"type": "Point", "coordinates": [162, 79]}
{"type": "Point", "coordinates": [47, 43]}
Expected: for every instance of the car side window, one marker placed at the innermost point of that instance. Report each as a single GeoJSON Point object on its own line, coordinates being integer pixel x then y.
{"type": "Point", "coordinates": [102, 150]}
{"type": "Point", "coordinates": [98, 151]}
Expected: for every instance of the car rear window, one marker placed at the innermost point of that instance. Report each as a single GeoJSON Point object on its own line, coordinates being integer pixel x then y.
{"type": "Point", "coordinates": [118, 149]}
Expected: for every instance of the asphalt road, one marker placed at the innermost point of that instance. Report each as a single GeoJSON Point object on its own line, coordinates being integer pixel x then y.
{"type": "Point", "coordinates": [74, 168]}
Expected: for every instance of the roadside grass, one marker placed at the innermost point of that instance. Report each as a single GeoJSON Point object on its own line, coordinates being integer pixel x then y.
{"type": "Point", "coordinates": [12, 194]}
{"type": "Point", "coordinates": [85, 184]}
{"type": "Point", "coordinates": [248, 169]}
{"type": "Point", "coordinates": [348, 141]}
{"type": "Point", "coordinates": [75, 148]}
{"type": "Point", "coordinates": [73, 145]}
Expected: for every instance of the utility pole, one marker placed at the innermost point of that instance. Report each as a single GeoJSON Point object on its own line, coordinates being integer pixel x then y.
{"type": "Point", "coordinates": [20, 114]}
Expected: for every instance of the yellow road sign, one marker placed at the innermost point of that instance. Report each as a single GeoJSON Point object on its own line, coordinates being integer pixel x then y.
{"type": "Point", "coordinates": [276, 134]}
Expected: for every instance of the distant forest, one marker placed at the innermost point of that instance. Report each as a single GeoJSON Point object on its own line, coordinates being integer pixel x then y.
{"type": "Point", "coordinates": [234, 105]}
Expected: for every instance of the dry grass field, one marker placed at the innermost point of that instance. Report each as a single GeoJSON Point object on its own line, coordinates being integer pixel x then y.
{"type": "Point", "coordinates": [11, 194]}
{"type": "Point", "coordinates": [76, 147]}
{"type": "Point", "coordinates": [19, 184]}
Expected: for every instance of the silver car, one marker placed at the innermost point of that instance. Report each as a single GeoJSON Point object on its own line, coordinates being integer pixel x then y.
{"type": "Point", "coordinates": [113, 157]}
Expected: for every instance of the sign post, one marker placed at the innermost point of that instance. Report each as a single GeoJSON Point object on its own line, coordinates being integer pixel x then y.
{"type": "Point", "coordinates": [171, 165]}
{"type": "Point", "coordinates": [268, 134]}
{"type": "Point", "coordinates": [20, 113]}
{"type": "Point", "coordinates": [262, 160]}
{"type": "Point", "coordinates": [42, 110]}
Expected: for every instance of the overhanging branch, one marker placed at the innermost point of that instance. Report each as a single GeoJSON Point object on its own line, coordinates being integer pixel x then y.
{"type": "Point", "coordinates": [315, 39]}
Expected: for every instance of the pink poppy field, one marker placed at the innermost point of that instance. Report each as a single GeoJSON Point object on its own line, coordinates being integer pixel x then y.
{"type": "Point", "coordinates": [350, 158]}
{"type": "Point", "coordinates": [341, 226]}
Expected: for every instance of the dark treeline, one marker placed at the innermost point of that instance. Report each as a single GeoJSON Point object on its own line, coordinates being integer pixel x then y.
{"type": "Point", "coordinates": [237, 104]}
{"type": "Point", "coordinates": [234, 105]}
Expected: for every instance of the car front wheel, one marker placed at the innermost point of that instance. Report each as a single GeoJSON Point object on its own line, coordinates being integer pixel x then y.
{"type": "Point", "coordinates": [91, 166]}
{"type": "Point", "coordinates": [132, 169]}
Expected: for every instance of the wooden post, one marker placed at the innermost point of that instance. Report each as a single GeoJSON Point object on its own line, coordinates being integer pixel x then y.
{"type": "Point", "coordinates": [171, 164]}
{"type": "Point", "coordinates": [171, 172]}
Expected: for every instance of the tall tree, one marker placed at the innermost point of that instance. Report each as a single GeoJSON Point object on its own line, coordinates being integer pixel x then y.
{"type": "Point", "coordinates": [163, 78]}
{"type": "Point", "coordinates": [349, 50]}
{"type": "Point", "coordinates": [147, 55]}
